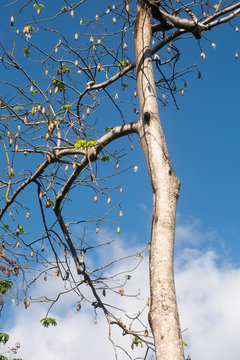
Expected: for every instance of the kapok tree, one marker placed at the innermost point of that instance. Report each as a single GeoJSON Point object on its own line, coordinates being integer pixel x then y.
{"type": "Point", "coordinates": [58, 74]}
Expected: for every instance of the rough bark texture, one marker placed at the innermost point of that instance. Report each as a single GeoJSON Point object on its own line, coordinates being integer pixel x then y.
{"type": "Point", "coordinates": [165, 186]}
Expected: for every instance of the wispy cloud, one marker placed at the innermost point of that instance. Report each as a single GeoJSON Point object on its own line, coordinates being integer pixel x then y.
{"type": "Point", "coordinates": [208, 294]}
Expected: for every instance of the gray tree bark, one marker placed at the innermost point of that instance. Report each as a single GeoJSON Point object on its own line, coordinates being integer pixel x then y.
{"type": "Point", "coordinates": [164, 319]}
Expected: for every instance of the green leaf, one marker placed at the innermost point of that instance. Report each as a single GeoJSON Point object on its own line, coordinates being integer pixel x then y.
{"type": "Point", "coordinates": [21, 229]}
{"type": "Point", "coordinates": [49, 321]}
{"type": "Point", "coordinates": [38, 6]}
{"type": "Point", "coordinates": [184, 343]}
{"type": "Point", "coordinates": [17, 108]}
{"type": "Point", "coordinates": [108, 128]}
{"type": "Point", "coordinates": [128, 277]}
{"type": "Point", "coordinates": [65, 107]}
{"type": "Point", "coordinates": [30, 29]}
{"type": "Point", "coordinates": [124, 86]}
{"type": "Point", "coordinates": [105, 158]}
{"type": "Point", "coordinates": [58, 83]}
{"type": "Point", "coordinates": [34, 92]}
{"type": "Point", "coordinates": [3, 357]}
{"type": "Point", "coordinates": [33, 111]}
{"type": "Point", "coordinates": [123, 63]}
{"type": "Point", "coordinates": [5, 285]}
{"type": "Point", "coordinates": [64, 8]}
{"type": "Point", "coordinates": [136, 341]}
{"type": "Point", "coordinates": [66, 70]}
{"type": "Point", "coordinates": [6, 226]}
{"type": "Point", "coordinates": [4, 338]}
{"type": "Point", "coordinates": [85, 144]}
{"type": "Point", "coordinates": [26, 52]}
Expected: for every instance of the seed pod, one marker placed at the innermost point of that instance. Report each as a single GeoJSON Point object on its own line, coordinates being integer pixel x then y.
{"type": "Point", "coordinates": [108, 200]}
{"type": "Point", "coordinates": [91, 39]}
{"type": "Point", "coordinates": [46, 72]}
{"type": "Point", "coordinates": [199, 75]}
{"type": "Point", "coordinates": [27, 303]}
{"type": "Point", "coordinates": [27, 266]}
{"type": "Point", "coordinates": [65, 253]}
{"type": "Point", "coordinates": [72, 13]}
{"type": "Point", "coordinates": [117, 165]}
{"type": "Point", "coordinates": [203, 56]}
{"type": "Point", "coordinates": [13, 301]}
{"type": "Point", "coordinates": [66, 168]}
{"type": "Point", "coordinates": [34, 277]}
{"type": "Point", "coordinates": [127, 7]}
{"type": "Point", "coordinates": [12, 171]}
{"type": "Point", "coordinates": [97, 230]}
{"type": "Point", "coordinates": [27, 215]}
{"type": "Point", "coordinates": [182, 92]}
{"type": "Point", "coordinates": [17, 244]}
{"type": "Point", "coordinates": [83, 117]}
{"type": "Point", "coordinates": [124, 45]}
{"type": "Point", "coordinates": [204, 14]}
{"type": "Point", "coordinates": [96, 17]}
{"type": "Point", "coordinates": [76, 36]}
{"type": "Point", "coordinates": [57, 272]}
{"type": "Point", "coordinates": [25, 30]}
{"type": "Point", "coordinates": [10, 142]}
{"type": "Point", "coordinates": [150, 330]}
{"type": "Point", "coordinates": [95, 321]}
{"type": "Point", "coordinates": [108, 11]}
{"type": "Point", "coordinates": [95, 198]}
{"type": "Point", "coordinates": [56, 49]}
{"type": "Point", "coordinates": [145, 333]}
{"type": "Point", "coordinates": [121, 291]}
{"type": "Point", "coordinates": [120, 213]}
{"type": "Point", "coordinates": [45, 278]}
{"type": "Point", "coordinates": [164, 96]}
{"type": "Point", "coordinates": [47, 136]}
{"type": "Point", "coordinates": [88, 111]}
{"type": "Point", "coordinates": [40, 196]}
{"type": "Point", "coordinates": [135, 94]}
{"type": "Point", "coordinates": [42, 249]}
{"type": "Point", "coordinates": [43, 110]}
{"type": "Point", "coordinates": [236, 29]}
{"type": "Point", "coordinates": [236, 56]}
{"type": "Point", "coordinates": [12, 20]}
{"type": "Point", "coordinates": [78, 307]}
{"type": "Point", "coordinates": [38, 11]}
{"type": "Point", "coordinates": [74, 166]}
{"type": "Point", "coordinates": [99, 67]}
{"type": "Point", "coordinates": [214, 45]}
{"type": "Point", "coordinates": [169, 50]}
{"type": "Point", "coordinates": [121, 190]}
{"type": "Point", "coordinates": [16, 148]}
{"type": "Point", "coordinates": [118, 230]}
{"type": "Point", "coordinates": [215, 6]}
{"type": "Point", "coordinates": [56, 90]}
{"type": "Point", "coordinates": [148, 302]}
{"type": "Point", "coordinates": [76, 62]}
{"type": "Point", "coordinates": [185, 84]}
{"type": "Point", "coordinates": [114, 20]}
{"type": "Point", "coordinates": [32, 253]}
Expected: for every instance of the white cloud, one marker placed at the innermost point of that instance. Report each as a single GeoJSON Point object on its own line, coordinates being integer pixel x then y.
{"type": "Point", "coordinates": [208, 294]}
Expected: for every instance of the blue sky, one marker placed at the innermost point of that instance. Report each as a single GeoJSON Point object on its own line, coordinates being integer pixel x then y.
{"type": "Point", "coordinates": [203, 142]}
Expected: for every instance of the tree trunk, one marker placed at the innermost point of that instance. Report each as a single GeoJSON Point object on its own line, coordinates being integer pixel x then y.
{"type": "Point", "coordinates": [164, 317]}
